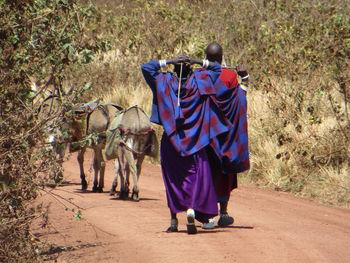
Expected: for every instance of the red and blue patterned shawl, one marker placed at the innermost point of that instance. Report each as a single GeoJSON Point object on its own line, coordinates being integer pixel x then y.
{"type": "Point", "coordinates": [210, 113]}
{"type": "Point", "coordinates": [198, 120]}
{"type": "Point", "coordinates": [232, 147]}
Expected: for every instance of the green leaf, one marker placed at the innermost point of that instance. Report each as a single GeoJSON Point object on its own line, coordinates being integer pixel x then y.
{"type": "Point", "coordinates": [87, 85]}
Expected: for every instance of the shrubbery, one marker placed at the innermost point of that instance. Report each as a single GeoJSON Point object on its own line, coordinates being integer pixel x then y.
{"type": "Point", "coordinates": [39, 40]}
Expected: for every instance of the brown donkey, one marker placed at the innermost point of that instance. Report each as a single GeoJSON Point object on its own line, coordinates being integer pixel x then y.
{"type": "Point", "coordinates": [89, 128]}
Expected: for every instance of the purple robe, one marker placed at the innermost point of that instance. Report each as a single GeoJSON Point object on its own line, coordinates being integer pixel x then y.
{"type": "Point", "coordinates": [188, 181]}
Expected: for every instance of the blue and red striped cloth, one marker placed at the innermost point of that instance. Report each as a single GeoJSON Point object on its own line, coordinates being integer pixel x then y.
{"type": "Point", "coordinates": [209, 114]}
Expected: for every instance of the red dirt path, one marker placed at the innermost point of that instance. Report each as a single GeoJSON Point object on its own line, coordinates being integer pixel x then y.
{"type": "Point", "coordinates": [269, 226]}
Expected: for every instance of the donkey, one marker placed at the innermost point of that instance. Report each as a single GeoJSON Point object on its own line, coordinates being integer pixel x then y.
{"type": "Point", "coordinates": [89, 131]}
{"type": "Point", "coordinates": [130, 138]}
{"type": "Point", "coordinates": [48, 111]}
{"type": "Point", "coordinates": [84, 128]}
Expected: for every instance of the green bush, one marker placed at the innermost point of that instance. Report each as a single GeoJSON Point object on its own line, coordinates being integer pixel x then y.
{"type": "Point", "coordinates": [39, 40]}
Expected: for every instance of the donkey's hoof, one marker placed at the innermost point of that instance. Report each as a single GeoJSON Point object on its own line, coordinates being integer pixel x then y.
{"type": "Point", "coordinates": [112, 192]}
{"type": "Point", "coordinates": [135, 197]}
{"type": "Point", "coordinates": [84, 185]}
{"type": "Point", "coordinates": [95, 189]}
{"type": "Point", "coordinates": [123, 195]}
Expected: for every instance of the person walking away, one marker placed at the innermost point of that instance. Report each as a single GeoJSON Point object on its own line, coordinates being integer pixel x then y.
{"type": "Point", "coordinates": [183, 104]}
{"type": "Point", "coordinates": [233, 103]}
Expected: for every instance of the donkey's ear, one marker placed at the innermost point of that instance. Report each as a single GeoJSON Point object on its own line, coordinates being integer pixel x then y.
{"type": "Point", "coordinates": [70, 90]}
{"type": "Point", "coordinates": [154, 149]}
{"type": "Point", "coordinates": [33, 83]}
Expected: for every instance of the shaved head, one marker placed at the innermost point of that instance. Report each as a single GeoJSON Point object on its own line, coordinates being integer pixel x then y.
{"type": "Point", "coordinates": [214, 52]}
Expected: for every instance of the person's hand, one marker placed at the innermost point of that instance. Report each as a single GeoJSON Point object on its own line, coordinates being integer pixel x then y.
{"type": "Point", "coordinates": [183, 59]}
{"type": "Point", "coordinates": [195, 61]}
{"type": "Point", "coordinates": [179, 60]}
{"type": "Point", "coordinates": [241, 70]}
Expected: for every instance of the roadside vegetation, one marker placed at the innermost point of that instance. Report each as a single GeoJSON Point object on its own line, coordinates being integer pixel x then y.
{"type": "Point", "coordinates": [297, 53]}
{"type": "Point", "coordinates": [40, 41]}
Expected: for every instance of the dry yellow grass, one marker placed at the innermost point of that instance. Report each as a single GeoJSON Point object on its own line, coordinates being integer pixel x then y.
{"type": "Point", "coordinates": [301, 156]}
{"type": "Point", "coordinates": [299, 125]}
{"type": "Point", "coordinates": [289, 143]}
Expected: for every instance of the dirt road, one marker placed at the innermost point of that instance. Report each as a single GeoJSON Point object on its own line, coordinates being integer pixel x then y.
{"type": "Point", "coordinates": [269, 226]}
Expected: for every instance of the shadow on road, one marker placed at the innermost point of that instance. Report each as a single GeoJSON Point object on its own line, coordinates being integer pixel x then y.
{"type": "Point", "coordinates": [198, 231]}
{"type": "Point", "coordinates": [67, 183]}
{"type": "Point", "coordinates": [216, 230]}
{"type": "Point", "coordinates": [89, 192]}
{"type": "Point", "coordinates": [240, 227]}
{"type": "Point", "coordinates": [131, 200]}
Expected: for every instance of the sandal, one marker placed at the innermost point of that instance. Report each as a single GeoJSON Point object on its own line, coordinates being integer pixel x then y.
{"type": "Point", "coordinates": [191, 227]}
{"type": "Point", "coordinates": [225, 220]}
{"type": "Point", "coordinates": [173, 226]}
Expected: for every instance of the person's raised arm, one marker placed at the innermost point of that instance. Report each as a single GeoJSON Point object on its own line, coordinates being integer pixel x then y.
{"type": "Point", "coordinates": [204, 63]}
{"type": "Point", "coordinates": [243, 73]}
{"type": "Point", "coordinates": [150, 72]}
{"type": "Point", "coordinates": [178, 60]}
{"type": "Point", "coordinates": [213, 66]}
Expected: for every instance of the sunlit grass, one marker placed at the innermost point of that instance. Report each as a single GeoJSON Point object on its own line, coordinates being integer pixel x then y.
{"type": "Point", "coordinates": [298, 112]}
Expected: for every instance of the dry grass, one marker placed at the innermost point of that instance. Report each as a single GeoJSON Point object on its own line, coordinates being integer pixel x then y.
{"type": "Point", "coordinates": [288, 142]}
{"type": "Point", "coordinates": [299, 126]}
{"type": "Point", "coordinates": [299, 149]}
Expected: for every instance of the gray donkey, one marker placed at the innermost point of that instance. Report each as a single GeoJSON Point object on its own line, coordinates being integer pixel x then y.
{"type": "Point", "coordinates": [130, 137]}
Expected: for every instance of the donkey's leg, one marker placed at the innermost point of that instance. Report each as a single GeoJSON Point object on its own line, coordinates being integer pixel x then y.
{"type": "Point", "coordinates": [139, 165]}
{"type": "Point", "coordinates": [97, 165]}
{"type": "Point", "coordinates": [80, 158]}
{"type": "Point", "coordinates": [102, 166]}
{"type": "Point", "coordinates": [124, 185]}
{"type": "Point", "coordinates": [60, 150]}
{"type": "Point", "coordinates": [115, 179]}
{"type": "Point", "coordinates": [127, 177]}
{"type": "Point", "coordinates": [139, 160]}
{"type": "Point", "coordinates": [129, 156]}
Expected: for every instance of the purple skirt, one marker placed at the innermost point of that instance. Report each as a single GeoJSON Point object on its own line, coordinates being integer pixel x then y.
{"type": "Point", "coordinates": [188, 182]}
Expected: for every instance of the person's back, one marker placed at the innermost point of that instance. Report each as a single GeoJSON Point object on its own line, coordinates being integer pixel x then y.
{"type": "Point", "coordinates": [233, 155]}
{"type": "Point", "coordinates": [190, 120]}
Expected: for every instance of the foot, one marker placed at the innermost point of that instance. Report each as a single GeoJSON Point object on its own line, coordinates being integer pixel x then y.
{"type": "Point", "coordinates": [210, 224]}
{"type": "Point", "coordinates": [123, 195]}
{"type": "Point", "coordinates": [135, 196]}
{"type": "Point", "coordinates": [191, 227]}
{"type": "Point", "coordinates": [173, 226]}
{"type": "Point", "coordinates": [84, 184]}
{"type": "Point", "coordinates": [172, 229]}
{"type": "Point", "coordinates": [225, 220]}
